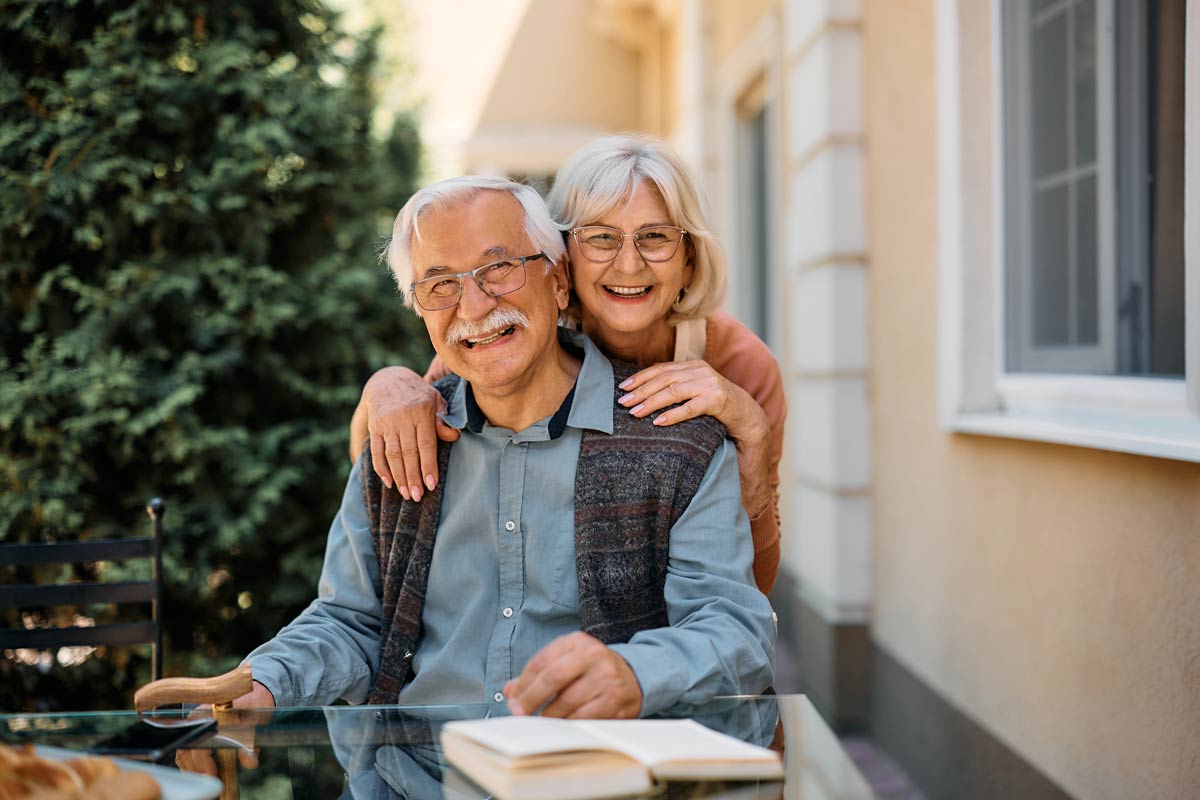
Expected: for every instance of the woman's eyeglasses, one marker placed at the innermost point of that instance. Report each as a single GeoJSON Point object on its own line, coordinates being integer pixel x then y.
{"type": "Point", "coordinates": [602, 243]}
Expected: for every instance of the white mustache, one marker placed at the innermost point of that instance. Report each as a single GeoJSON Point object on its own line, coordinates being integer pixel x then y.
{"type": "Point", "coordinates": [498, 320]}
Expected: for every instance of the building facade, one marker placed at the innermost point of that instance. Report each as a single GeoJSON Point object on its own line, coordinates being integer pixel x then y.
{"type": "Point", "coordinates": [960, 226]}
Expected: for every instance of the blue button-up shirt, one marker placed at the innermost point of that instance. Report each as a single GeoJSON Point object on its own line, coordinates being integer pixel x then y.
{"type": "Point", "coordinates": [502, 583]}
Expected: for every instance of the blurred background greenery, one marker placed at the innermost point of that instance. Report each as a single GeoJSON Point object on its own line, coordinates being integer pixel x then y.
{"type": "Point", "coordinates": [191, 203]}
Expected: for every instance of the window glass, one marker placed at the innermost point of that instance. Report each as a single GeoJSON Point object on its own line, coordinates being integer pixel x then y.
{"type": "Point", "coordinates": [1086, 257]}
{"type": "Point", "coordinates": [1050, 259]}
{"type": "Point", "coordinates": [1084, 94]}
{"type": "Point", "coordinates": [1049, 92]}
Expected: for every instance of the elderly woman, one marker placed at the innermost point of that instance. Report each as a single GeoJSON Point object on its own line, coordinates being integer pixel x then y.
{"type": "Point", "coordinates": [647, 278]}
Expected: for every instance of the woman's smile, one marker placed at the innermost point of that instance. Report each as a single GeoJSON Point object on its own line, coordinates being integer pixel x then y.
{"type": "Point", "coordinates": [629, 292]}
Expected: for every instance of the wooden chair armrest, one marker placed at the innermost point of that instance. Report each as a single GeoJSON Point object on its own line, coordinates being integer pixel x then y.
{"type": "Point", "coordinates": [219, 690]}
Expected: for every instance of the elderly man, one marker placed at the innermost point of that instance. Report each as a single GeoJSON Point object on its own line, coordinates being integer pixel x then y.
{"type": "Point", "coordinates": [576, 559]}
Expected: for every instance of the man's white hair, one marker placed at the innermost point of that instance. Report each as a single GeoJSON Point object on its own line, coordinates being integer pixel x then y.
{"type": "Point", "coordinates": [543, 233]}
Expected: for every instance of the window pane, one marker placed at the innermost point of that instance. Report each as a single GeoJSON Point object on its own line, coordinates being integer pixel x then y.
{"type": "Point", "coordinates": [1049, 89]}
{"type": "Point", "coordinates": [1085, 82]}
{"type": "Point", "coordinates": [1050, 267]}
{"type": "Point", "coordinates": [1087, 287]}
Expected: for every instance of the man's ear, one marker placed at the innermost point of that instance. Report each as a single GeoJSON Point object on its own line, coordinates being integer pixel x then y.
{"type": "Point", "coordinates": [561, 272]}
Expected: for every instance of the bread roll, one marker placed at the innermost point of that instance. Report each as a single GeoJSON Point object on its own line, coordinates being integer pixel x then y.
{"type": "Point", "coordinates": [26, 776]}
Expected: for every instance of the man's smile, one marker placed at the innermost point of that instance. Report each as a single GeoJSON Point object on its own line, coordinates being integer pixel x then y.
{"type": "Point", "coordinates": [499, 324]}
{"type": "Point", "coordinates": [471, 344]}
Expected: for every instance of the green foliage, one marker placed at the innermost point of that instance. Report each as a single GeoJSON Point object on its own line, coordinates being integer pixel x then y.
{"type": "Point", "coordinates": [190, 205]}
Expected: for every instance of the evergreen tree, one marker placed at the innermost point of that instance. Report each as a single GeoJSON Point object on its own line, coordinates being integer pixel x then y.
{"type": "Point", "coordinates": [190, 299]}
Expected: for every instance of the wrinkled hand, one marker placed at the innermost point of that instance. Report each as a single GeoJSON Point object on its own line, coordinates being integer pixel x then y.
{"type": "Point", "coordinates": [202, 760]}
{"type": "Point", "coordinates": [699, 389]}
{"type": "Point", "coordinates": [404, 428]}
{"type": "Point", "coordinates": [580, 678]}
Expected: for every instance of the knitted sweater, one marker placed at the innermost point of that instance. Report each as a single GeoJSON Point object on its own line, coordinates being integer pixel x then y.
{"type": "Point", "coordinates": [630, 488]}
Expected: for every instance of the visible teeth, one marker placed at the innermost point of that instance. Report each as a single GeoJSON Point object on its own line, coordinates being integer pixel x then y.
{"type": "Point", "coordinates": [470, 343]}
{"type": "Point", "coordinates": [628, 291]}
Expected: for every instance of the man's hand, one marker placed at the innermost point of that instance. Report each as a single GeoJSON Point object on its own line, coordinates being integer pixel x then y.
{"type": "Point", "coordinates": [259, 696]}
{"type": "Point", "coordinates": [202, 760]}
{"type": "Point", "coordinates": [580, 678]}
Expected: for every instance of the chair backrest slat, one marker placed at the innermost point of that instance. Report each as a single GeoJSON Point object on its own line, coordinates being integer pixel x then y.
{"type": "Point", "coordinates": [75, 594]}
{"type": "Point", "coordinates": [118, 633]}
{"type": "Point", "coordinates": [77, 552]}
{"type": "Point", "coordinates": [23, 596]}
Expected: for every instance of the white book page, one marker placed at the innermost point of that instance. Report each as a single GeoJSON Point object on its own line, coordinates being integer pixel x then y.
{"type": "Point", "coordinates": [658, 741]}
{"type": "Point", "coordinates": [516, 737]}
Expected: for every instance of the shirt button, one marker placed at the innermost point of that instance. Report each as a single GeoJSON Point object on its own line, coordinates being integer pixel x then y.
{"type": "Point", "coordinates": [508, 612]}
{"type": "Point", "coordinates": [499, 698]}
{"type": "Point", "coordinates": [510, 525]}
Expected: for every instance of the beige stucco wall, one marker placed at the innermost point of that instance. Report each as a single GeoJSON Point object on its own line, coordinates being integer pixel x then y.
{"type": "Point", "coordinates": [516, 87]}
{"type": "Point", "coordinates": [734, 20]}
{"type": "Point", "coordinates": [562, 68]}
{"type": "Point", "coordinates": [1051, 592]}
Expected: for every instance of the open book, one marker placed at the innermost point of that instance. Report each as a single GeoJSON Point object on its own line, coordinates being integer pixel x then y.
{"type": "Point", "coordinates": [531, 758]}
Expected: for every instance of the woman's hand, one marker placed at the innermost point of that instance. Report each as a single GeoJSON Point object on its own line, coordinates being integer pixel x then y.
{"type": "Point", "coordinates": [695, 388]}
{"type": "Point", "coordinates": [400, 412]}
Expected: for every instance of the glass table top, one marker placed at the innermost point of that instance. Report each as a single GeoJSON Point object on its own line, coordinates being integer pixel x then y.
{"type": "Point", "coordinates": [393, 751]}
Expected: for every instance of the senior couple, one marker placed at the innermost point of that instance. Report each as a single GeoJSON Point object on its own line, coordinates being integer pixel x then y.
{"type": "Point", "coordinates": [539, 527]}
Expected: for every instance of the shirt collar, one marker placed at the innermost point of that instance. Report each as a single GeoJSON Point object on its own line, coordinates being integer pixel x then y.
{"type": "Point", "coordinates": [589, 404]}
{"type": "Point", "coordinates": [594, 388]}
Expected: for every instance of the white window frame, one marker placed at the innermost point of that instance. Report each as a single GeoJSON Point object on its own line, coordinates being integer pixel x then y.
{"type": "Point", "coordinates": [1147, 416]}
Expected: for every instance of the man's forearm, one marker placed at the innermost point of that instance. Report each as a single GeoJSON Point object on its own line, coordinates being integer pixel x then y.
{"type": "Point", "coordinates": [689, 664]}
{"type": "Point", "coordinates": [320, 657]}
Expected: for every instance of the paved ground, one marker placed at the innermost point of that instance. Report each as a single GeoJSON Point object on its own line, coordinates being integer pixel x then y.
{"type": "Point", "coordinates": [887, 779]}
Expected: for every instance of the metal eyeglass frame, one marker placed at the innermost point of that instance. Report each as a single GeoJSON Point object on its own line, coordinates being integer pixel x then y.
{"type": "Point", "coordinates": [617, 231]}
{"type": "Point", "coordinates": [474, 275]}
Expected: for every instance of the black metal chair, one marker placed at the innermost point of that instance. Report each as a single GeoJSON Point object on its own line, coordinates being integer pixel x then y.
{"type": "Point", "coordinates": [84, 593]}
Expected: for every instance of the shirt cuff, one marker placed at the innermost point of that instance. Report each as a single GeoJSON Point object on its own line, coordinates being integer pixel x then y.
{"type": "Point", "coordinates": [271, 674]}
{"type": "Point", "coordinates": [661, 682]}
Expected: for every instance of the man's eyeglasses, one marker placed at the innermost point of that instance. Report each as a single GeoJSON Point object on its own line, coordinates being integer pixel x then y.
{"type": "Point", "coordinates": [602, 243]}
{"type": "Point", "coordinates": [498, 278]}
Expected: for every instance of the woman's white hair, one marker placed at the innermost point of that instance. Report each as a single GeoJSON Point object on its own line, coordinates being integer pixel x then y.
{"type": "Point", "coordinates": [539, 226]}
{"type": "Point", "coordinates": [604, 175]}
